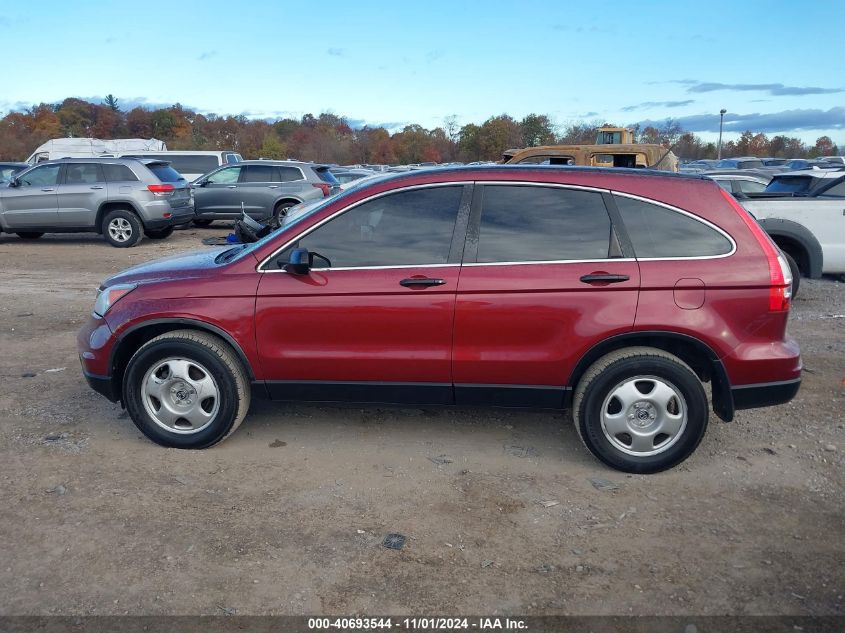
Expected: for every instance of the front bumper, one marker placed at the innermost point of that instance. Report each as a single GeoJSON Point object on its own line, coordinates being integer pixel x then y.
{"type": "Point", "coordinates": [94, 343]}
{"type": "Point", "coordinates": [101, 384]}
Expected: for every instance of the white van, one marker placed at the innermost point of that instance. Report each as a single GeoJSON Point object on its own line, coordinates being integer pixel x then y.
{"type": "Point", "coordinates": [92, 148]}
{"type": "Point", "coordinates": [190, 164]}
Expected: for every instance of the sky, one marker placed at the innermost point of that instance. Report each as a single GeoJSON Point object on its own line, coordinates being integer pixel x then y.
{"type": "Point", "coordinates": [775, 66]}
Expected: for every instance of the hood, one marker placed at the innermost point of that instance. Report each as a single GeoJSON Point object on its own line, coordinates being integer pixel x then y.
{"type": "Point", "coordinates": [186, 266]}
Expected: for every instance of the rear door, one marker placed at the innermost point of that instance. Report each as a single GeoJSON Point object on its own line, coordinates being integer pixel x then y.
{"type": "Point", "coordinates": [33, 204]}
{"type": "Point", "coordinates": [544, 279]}
{"type": "Point", "coordinates": [259, 189]}
{"type": "Point", "coordinates": [82, 192]}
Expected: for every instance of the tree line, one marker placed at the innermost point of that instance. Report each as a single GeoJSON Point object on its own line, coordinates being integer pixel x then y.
{"type": "Point", "coordinates": [329, 138]}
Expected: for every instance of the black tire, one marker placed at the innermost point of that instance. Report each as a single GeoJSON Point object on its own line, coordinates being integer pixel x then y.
{"type": "Point", "coordinates": [796, 273]}
{"type": "Point", "coordinates": [159, 234]}
{"type": "Point", "coordinates": [211, 355]}
{"type": "Point", "coordinates": [122, 228]}
{"type": "Point", "coordinates": [202, 222]}
{"type": "Point", "coordinates": [649, 366]}
{"type": "Point", "coordinates": [29, 235]}
{"type": "Point", "coordinates": [279, 212]}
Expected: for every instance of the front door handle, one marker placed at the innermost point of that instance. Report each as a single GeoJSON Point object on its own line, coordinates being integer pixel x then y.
{"type": "Point", "coordinates": [273, 186]}
{"type": "Point", "coordinates": [421, 281]}
{"type": "Point", "coordinates": [96, 187]}
{"type": "Point", "coordinates": [48, 189]}
{"type": "Point", "coordinates": [604, 277]}
{"type": "Point", "coordinates": [231, 186]}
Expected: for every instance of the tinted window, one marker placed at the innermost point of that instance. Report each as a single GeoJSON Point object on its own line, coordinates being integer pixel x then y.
{"type": "Point", "coordinates": [165, 173]}
{"type": "Point", "coordinates": [225, 176]}
{"type": "Point", "coordinates": [837, 191]}
{"type": "Point", "coordinates": [789, 184]}
{"type": "Point", "coordinates": [520, 224]}
{"type": "Point", "coordinates": [725, 184]}
{"type": "Point", "coordinates": [231, 158]}
{"type": "Point", "coordinates": [289, 174]}
{"type": "Point", "coordinates": [118, 173]}
{"type": "Point", "coordinates": [82, 174]}
{"type": "Point", "coordinates": [660, 232]}
{"type": "Point", "coordinates": [43, 176]}
{"type": "Point", "coordinates": [401, 229]}
{"type": "Point", "coordinates": [325, 175]}
{"type": "Point", "coordinates": [261, 173]}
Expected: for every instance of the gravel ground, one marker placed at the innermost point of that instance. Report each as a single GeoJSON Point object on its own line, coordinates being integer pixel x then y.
{"type": "Point", "coordinates": [501, 510]}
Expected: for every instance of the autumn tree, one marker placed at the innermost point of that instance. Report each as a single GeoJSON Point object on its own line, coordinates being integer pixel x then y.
{"type": "Point", "coordinates": [537, 129]}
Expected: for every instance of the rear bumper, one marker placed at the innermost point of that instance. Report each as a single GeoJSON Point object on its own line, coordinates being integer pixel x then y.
{"type": "Point", "coordinates": [764, 394]}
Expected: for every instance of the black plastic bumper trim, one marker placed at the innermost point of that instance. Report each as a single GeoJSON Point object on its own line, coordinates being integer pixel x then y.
{"type": "Point", "coordinates": [764, 394]}
{"type": "Point", "coordinates": [102, 385]}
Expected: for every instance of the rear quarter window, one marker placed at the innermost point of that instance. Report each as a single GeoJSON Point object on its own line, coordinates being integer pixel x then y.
{"type": "Point", "coordinates": [118, 173]}
{"type": "Point", "coordinates": [659, 232]}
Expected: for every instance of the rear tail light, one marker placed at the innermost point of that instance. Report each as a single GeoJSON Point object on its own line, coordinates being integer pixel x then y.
{"type": "Point", "coordinates": [162, 189]}
{"type": "Point", "coordinates": [780, 275]}
{"type": "Point", "coordinates": [324, 187]}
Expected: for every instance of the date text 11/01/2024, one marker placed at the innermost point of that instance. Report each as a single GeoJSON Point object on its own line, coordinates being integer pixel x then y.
{"type": "Point", "coordinates": [417, 624]}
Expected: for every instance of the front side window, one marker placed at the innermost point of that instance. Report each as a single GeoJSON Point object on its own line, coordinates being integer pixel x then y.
{"type": "Point", "coordinates": [225, 176]}
{"type": "Point", "coordinates": [530, 223]}
{"type": "Point", "coordinates": [44, 176]}
{"type": "Point", "coordinates": [656, 231]}
{"type": "Point", "coordinates": [406, 228]}
{"type": "Point", "coordinates": [82, 174]}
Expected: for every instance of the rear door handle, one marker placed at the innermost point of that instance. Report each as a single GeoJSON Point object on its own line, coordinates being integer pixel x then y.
{"type": "Point", "coordinates": [273, 186]}
{"type": "Point", "coordinates": [421, 281]}
{"type": "Point", "coordinates": [48, 189]}
{"type": "Point", "coordinates": [96, 187]}
{"type": "Point", "coordinates": [608, 279]}
{"type": "Point", "coordinates": [231, 186]}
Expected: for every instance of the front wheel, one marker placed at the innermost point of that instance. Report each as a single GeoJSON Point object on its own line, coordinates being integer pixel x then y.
{"type": "Point", "coordinates": [640, 410]}
{"type": "Point", "coordinates": [159, 234]}
{"type": "Point", "coordinates": [186, 389]}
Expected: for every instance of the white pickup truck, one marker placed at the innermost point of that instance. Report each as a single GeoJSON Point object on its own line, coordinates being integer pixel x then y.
{"type": "Point", "coordinates": [804, 213]}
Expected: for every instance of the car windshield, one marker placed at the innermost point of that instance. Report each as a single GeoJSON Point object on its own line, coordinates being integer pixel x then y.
{"type": "Point", "coordinates": [790, 184]}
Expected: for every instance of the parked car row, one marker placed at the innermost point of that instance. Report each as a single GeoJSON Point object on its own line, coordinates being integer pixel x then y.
{"type": "Point", "coordinates": [767, 164]}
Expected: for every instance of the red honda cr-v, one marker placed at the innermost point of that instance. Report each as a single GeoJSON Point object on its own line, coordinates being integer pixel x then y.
{"type": "Point", "coordinates": [613, 292]}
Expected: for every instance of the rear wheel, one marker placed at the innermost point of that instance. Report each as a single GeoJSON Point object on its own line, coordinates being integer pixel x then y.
{"type": "Point", "coordinates": [159, 234]}
{"type": "Point", "coordinates": [203, 222]}
{"type": "Point", "coordinates": [640, 410]}
{"type": "Point", "coordinates": [122, 228]}
{"type": "Point", "coordinates": [186, 389]}
{"type": "Point", "coordinates": [29, 235]}
{"type": "Point", "coordinates": [280, 212]}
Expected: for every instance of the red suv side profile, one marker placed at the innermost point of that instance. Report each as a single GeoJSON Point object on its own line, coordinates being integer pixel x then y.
{"type": "Point", "coordinates": [612, 292]}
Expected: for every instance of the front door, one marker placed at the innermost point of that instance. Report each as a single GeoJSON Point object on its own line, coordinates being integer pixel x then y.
{"type": "Point", "coordinates": [33, 204]}
{"type": "Point", "coordinates": [545, 280]}
{"type": "Point", "coordinates": [218, 194]}
{"type": "Point", "coordinates": [372, 320]}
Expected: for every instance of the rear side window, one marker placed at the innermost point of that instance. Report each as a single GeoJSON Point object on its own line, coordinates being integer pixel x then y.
{"type": "Point", "coordinates": [82, 174]}
{"type": "Point", "coordinates": [260, 173]}
{"type": "Point", "coordinates": [165, 173]}
{"type": "Point", "coordinates": [528, 223]}
{"type": "Point", "coordinates": [789, 184]}
{"type": "Point", "coordinates": [656, 231]}
{"type": "Point", "coordinates": [118, 173]}
{"type": "Point", "coordinates": [289, 174]}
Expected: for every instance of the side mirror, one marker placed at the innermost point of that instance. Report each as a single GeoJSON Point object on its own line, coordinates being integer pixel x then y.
{"type": "Point", "coordinates": [299, 262]}
{"type": "Point", "coordinates": [14, 182]}
{"type": "Point", "coordinates": [197, 183]}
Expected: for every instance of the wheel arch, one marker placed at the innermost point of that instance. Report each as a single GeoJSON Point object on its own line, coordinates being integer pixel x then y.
{"type": "Point", "coordinates": [789, 236]}
{"type": "Point", "coordinates": [135, 336]}
{"type": "Point", "coordinates": [698, 355]}
{"type": "Point", "coordinates": [114, 205]}
{"type": "Point", "coordinates": [285, 199]}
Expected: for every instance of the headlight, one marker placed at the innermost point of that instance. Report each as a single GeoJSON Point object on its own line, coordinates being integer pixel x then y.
{"type": "Point", "coordinates": [107, 297]}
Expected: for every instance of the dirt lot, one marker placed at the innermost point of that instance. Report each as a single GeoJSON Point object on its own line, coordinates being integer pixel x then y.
{"type": "Point", "coordinates": [287, 516]}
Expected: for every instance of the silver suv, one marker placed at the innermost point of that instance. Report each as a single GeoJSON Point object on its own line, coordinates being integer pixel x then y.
{"type": "Point", "coordinates": [121, 198]}
{"type": "Point", "coordinates": [264, 189]}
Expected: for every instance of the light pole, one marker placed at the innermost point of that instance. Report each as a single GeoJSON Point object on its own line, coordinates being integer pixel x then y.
{"type": "Point", "coordinates": [721, 120]}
